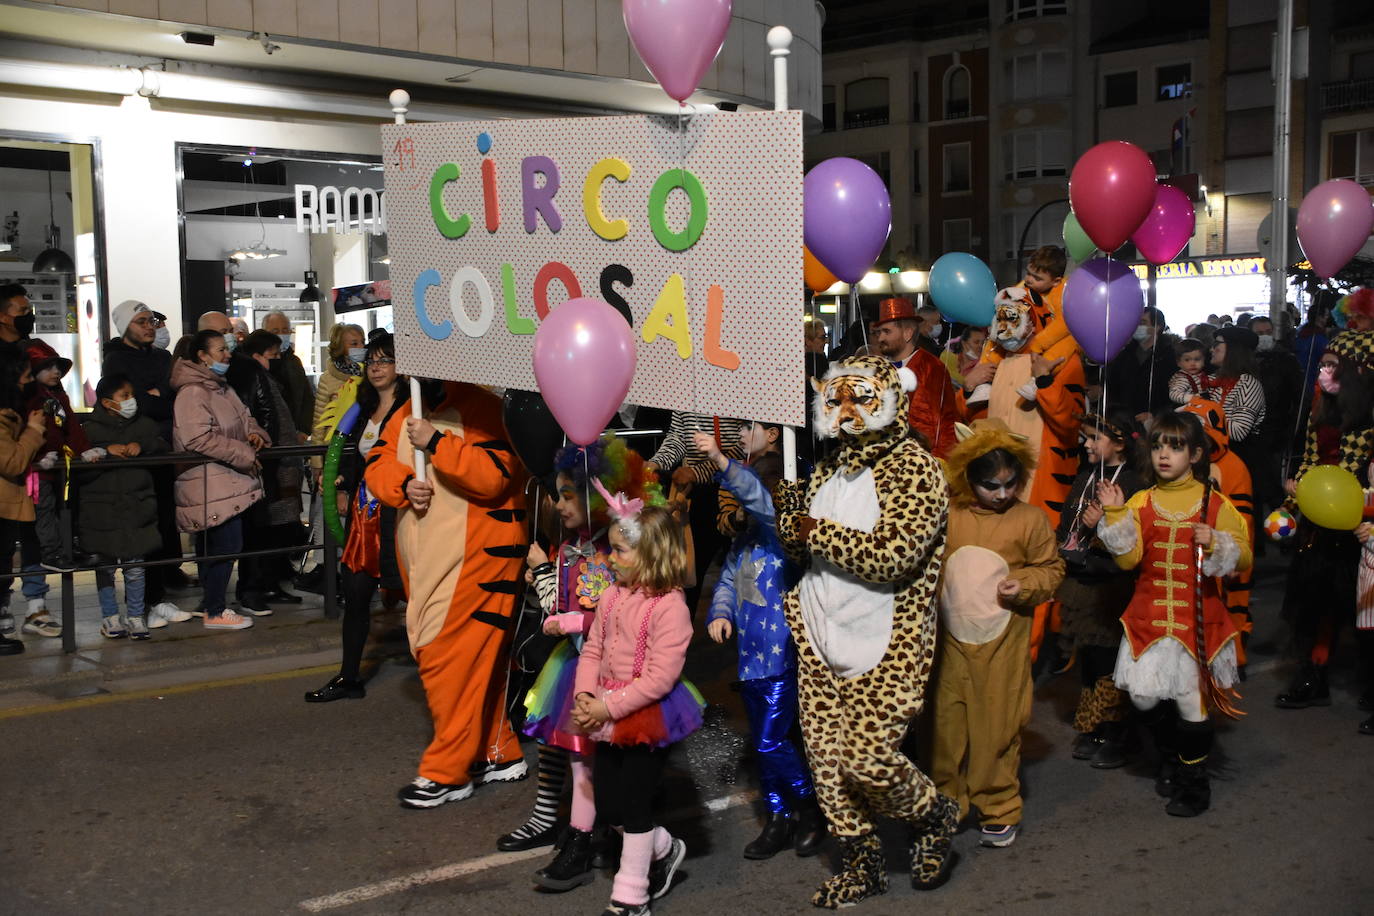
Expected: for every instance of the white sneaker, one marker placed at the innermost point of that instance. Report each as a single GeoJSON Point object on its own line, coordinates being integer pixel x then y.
{"type": "Point", "coordinates": [113, 627]}
{"type": "Point", "coordinates": [41, 624]}
{"type": "Point", "coordinates": [138, 628]}
{"type": "Point", "coordinates": [164, 613]}
{"type": "Point", "coordinates": [227, 620]}
{"type": "Point", "coordinates": [7, 626]}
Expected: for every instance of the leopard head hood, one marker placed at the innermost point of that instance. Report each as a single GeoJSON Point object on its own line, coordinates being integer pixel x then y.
{"type": "Point", "coordinates": [862, 400]}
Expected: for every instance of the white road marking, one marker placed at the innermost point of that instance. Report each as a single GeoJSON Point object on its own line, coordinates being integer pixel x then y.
{"type": "Point", "coordinates": [473, 866]}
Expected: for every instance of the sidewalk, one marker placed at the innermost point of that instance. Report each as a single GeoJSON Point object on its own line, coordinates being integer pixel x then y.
{"type": "Point", "coordinates": [294, 637]}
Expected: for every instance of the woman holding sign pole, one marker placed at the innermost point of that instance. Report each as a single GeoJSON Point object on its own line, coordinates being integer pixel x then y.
{"type": "Point", "coordinates": [460, 545]}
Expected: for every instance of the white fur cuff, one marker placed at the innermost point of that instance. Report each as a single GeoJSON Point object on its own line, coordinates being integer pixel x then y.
{"type": "Point", "coordinates": [1224, 556]}
{"type": "Point", "coordinates": [1119, 539]}
{"type": "Point", "coordinates": [1028, 391]}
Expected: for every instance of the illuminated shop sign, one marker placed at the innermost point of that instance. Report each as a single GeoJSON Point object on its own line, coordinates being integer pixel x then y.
{"type": "Point", "coordinates": [1207, 267]}
{"type": "Point", "coordinates": [344, 212]}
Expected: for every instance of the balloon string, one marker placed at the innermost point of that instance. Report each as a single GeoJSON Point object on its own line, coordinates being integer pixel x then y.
{"type": "Point", "coordinates": [857, 313]}
{"type": "Point", "coordinates": [1106, 328]}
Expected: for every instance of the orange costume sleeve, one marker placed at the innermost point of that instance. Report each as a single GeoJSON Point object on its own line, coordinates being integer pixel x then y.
{"type": "Point", "coordinates": [934, 405]}
{"type": "Point", "coordinates": [461, 563]}
{"type": "Point", "coordinates": [1060, 406]}
{"type": "Point", "coordinates": [1052, 337]}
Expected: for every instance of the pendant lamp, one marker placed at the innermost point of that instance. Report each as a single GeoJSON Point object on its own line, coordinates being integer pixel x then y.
{"type": "Point", "coordinates": [53, 259]}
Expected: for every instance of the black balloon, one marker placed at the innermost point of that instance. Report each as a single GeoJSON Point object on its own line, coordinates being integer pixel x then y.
{"type": "Point", "coordinates": [533, 432]}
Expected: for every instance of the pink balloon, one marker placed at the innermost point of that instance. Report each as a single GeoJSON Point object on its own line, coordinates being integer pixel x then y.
{"type": "Point", "coordinates": [677, 39]}
{"type": "Point", "coordinates": [1111, 190]}
{"type": "Point", "coordinates": [584, 361]}
{"type": "Point", "coordinates": [1334, 222]}
{"type": "Point", "coordinates": [1168, 228]}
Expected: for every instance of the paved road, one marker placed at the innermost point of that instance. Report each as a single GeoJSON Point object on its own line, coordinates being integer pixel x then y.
{"type": "Point", "coordinates": [239, 798]}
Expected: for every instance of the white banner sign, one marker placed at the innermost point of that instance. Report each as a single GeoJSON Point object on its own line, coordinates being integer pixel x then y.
{"type": "Point", "coordinates": [693, 231]}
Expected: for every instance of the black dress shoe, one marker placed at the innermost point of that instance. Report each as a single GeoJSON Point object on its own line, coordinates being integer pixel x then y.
{"type": "Point", "coordinates": [776, 836]}
{"type": "Point", "coordinates": [518, 841]}
{"type": "Point", "coordinates": [337, 689]}
{"type": "Point", "coordinates": [10, 646]}
{"type": "Point", "coordinates": [1309, 688]}
{"type": "Point", "coordinates": [281, 597]}
{"type": "Point", "coordinates": [1086, 745]}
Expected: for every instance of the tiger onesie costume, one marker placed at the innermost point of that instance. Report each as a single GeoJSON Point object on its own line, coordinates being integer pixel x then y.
{"type": "Point", "coordinates": [461, 561]}
{"type": "Point", "coordinates": [868, 527]}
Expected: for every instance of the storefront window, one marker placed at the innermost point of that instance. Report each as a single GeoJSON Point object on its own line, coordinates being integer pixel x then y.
{"type": "Point", "coordinates": [273, 230]}
{"type": "Point", "coordinates": [51, 245]}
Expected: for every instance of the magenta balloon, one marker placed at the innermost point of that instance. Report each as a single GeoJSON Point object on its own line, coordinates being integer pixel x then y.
{"type": "Point", "coordinates": [846, 216]}
{"type": "Point", "coordinates": [1102, 305]}
{"type": "Point", "coordinates": [677, 39]}
{"type": "Point", "coordinates": [1111, 190]}
{"type": "Point", "coordinates": [1168, 228]}
{"type": "Point", "coordinates": [1334, 222]}
{"type": "Point", "coordinates": [584, 362]}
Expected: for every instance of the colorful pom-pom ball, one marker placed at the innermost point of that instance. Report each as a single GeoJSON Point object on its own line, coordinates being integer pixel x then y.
{"type": "Point", "coordinates": [1280, 525]}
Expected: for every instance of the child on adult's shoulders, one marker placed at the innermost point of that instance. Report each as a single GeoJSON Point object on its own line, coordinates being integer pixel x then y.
{"type": "Point", "coordinates": [1188, 382]}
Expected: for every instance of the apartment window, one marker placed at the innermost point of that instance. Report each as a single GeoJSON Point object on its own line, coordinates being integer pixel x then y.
{"type": "Point", "coordinates": [958, 89]}
{"type": "Point", "coordinates": [915, 171]}
{"type": "Point", "coordinates": [958, 168]}
{"type": "Point", "coordinates": [827, 108]}
{"type": "Point", "coordinates": [1042, 75]}
{"type": "Point", "coordinates": [1046, 230]}
{"type": "Point", "coordinates": [1118, 89]}
{"type": "Point", "coordinates": [880, 163]}
{"type": "Point", "coordinates": [1352, 156]}
{"type": "Point", "coordinates": [1362, 65]}
{"type": "Point", "coordinates": [865, 103]}
{"type": "Point", "coordinates": [958, 235]}
{"type": "Point", "coordinates": [1031, 9]}
{"type": "Point", "coordinates": [1035, 154]}
{"type": "Point", "coordinates": [1173, 82]}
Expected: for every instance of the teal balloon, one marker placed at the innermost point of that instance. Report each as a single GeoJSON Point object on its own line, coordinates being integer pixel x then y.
{"type": "Point", "coordinates": [1080, 247]}
{"type": "Point", "coordinates": [963, 289]}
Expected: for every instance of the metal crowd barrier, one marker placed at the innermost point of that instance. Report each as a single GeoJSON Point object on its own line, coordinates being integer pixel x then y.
{"type": "Point", "coordinates": [69, 568]}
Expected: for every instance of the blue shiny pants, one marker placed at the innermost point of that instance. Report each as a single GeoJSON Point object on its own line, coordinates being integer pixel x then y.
{"type": "Point", "coordinates": [771, 704]}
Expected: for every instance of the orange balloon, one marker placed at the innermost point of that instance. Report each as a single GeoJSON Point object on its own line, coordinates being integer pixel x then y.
{"type": "Point", "coordinates": [818, 278]}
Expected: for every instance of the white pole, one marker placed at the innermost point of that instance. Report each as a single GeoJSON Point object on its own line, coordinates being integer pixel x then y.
{"type": "Point", "coordinates": [1283, 92]}
{"type": "Point", "coordinates": [400, 101]}
{"type": "Point", "coordinates": [780, 43]}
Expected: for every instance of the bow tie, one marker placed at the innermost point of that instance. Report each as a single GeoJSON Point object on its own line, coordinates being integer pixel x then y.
{"type": "Point", "coordinates": [571, 552]}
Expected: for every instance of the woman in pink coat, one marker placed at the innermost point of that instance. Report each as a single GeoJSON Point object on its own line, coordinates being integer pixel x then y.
{"type": "Point", "coordinates": [210, 420]}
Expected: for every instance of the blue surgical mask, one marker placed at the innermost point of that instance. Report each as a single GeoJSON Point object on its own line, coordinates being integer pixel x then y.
{"type": "Point", "coordinates": [128, 408]}
{"type": "Point", "coordinates": [162, 338]}
{"type": "Point", "coordinates": [285, 342]}
{"type": "Point", "coordinates": [230, 342]}
{"type": "Point", "coordinates": [219, 368]}
{"type": "Point", "coordinates": [357, 354]}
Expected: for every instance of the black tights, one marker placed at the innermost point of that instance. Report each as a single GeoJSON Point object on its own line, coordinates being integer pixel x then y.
{"type": "Point", "coordinates": [358, 589]}
{"type": "Point", "coordinates": [624, 780]}
{"type": "Point", "coordinates": [1095, 662]}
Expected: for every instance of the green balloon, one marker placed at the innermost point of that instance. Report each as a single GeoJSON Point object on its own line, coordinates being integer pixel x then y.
{"type": "Point", "coordinates": [1081, 248]}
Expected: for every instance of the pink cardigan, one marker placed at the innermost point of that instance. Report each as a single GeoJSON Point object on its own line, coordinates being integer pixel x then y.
{"type": "Point", "coordinates": [620, 611]}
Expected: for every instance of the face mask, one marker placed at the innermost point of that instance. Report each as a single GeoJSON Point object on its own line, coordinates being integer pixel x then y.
{"type": "Point", "coordinates": [219, 368]}
{"type": "Point", "coordinates": [937, 332]}
{"type": "Point", "coordinates": [162, 338]}
{"type": "Point", "coordinates": [128, 408]}
{"type": "Point", "coordinates": [1140, 334]}
{"type": "Point", "coordinates": [1011, 344]}
{"type": "Point", "coordinates": [230, 342]}
{"type": "Point", "coordinates": [1326, 378]}
{"type": "Point", "coordinates": [1266, 343]}
{"type": "Point", "coordinates": [24, 324]}
{"type": "Point", "coordinates": [285, 342]}
{"type": "Point", "coordinates": [357, 354]}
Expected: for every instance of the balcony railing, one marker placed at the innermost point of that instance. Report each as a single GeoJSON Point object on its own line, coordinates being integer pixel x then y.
{"type": "Point", "coordinates": [1350, 95]}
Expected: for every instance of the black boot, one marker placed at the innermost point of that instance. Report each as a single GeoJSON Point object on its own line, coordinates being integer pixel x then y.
{"type": "Point", "coordinates": [930, 855]}
{"type": "Point", "coordinates": [811, 830]}
{"type": "Point", "coordinates": [572, 867]}
{"type": "Point", "coordinates": [606, 843]}
{"type": "Point", "coordinates": [1111, 753]}
{"type": "Point", "coordinates": [775, 837]}
{"type": "Point", "coordinates": [1086, 744]}
{"type": "Point", "coordinates": [1192, 790]}
{"type": "Point", "coordinates": [1309, 688]}
{"type": "Point", "coordinates": [1160, 722]}
{"type": "Point", "coordinates": [863, 874]}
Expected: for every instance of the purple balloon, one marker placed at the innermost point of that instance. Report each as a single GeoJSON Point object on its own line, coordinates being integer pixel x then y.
{"type": "Point", "coordinates": [584, 362]}
{"type": "Point", "coordinates": [846, 216]}
{"type": "Point", "coordinates": [677, 39]}
{"type": "Point", "coordinates": [1102, 304]}
{"type": "Point", "coordinates": [1168, 228]}
{"type": "Point", "coordinates": [1334, 222]}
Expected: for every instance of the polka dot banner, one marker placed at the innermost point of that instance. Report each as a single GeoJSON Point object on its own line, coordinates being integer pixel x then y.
{"type": "Point", "coordinates": [693, 229]}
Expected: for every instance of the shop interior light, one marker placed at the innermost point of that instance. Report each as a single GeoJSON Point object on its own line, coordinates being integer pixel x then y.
{"type": "Point", "coordinates": [311, 293]}
{"type": "Point", "coordinates": [838, 288]}
{"type": "Point", "coordinates": [874, 282]}
{"type": "Point", "coordinates": [198, 38]}
{"type": "Point", "coordinates": [912, 281]}
{"type": "Point", "coordinates": [53, 259]}
{"type": "Point", "coordinates": [254, 252]}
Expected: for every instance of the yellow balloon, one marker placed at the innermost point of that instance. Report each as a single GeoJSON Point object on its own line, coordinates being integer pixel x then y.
{"type": "Point", "coordinates": [1330, 496]}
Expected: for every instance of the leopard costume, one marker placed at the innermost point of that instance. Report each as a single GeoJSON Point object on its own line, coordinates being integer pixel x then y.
{"type": "Point", "coordinates": [870, 531]}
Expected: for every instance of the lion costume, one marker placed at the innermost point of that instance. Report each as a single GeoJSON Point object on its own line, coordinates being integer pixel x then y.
{"type": "Point", "coordinates": [869, 530]}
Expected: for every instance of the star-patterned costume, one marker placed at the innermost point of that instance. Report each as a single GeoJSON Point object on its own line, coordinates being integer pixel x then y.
{"type": "Point", "coordinates": [749, 594]}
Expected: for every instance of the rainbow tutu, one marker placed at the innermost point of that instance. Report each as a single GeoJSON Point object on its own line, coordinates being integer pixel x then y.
{"type": "Point", "coordinates": [549, 703]}
{"type": "Point", "coordinates": [659, 724]}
